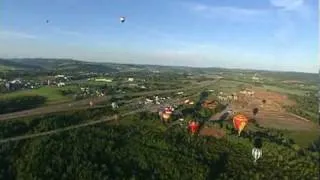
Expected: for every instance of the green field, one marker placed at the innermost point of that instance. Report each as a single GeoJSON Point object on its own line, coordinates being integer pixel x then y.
{"type": "Point", "coordinates": [285, 90]}
{"type": "Point", "coordinates": [228, 86]}
{"type": "Point", "coordinates": [5, 68]}
{"type": "Point", "coordinates": [302, 138]}
{"type": "Point", "coordinates": [52, 93]}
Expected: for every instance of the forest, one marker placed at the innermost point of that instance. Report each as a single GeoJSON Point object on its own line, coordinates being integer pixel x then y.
{"type": "Point", "coordinates": [140, 147]}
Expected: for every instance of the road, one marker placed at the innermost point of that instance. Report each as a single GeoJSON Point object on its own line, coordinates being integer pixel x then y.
{"type": "Point", "coordinates": [90, 123]}
{"type": "Point", "coordinates": [151, 107]}
{"type": "Point", "coordinates": [30, 136]}
{"type": "Point", "coordinates": [83, 104]}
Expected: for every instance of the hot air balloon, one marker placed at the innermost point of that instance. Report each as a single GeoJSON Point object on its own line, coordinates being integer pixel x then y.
{"type": "Point", "coordinates": [239, 122]}
{"type": "Point", "coordinates": [257, 143]}
{"type": "Point", "coordinates": [193, 127]}
{"type": "Point", "coordinates": [166, 113]}
{"type": "Point", "coordinates": [256, 153]}
{"type": "Point", "coordinates": [122, 19]}
{"type": "Point", "coordinates": [255, 111]}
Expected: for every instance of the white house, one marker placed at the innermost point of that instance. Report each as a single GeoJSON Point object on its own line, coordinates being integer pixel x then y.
{"type": "Point", "coordinates": [130, 79]}
{"type": "Point", "coordinates": [60, 84]}
{"type": "Point", "coordinates": [60, 76]}
{"type": "Point", "coordinates": [103, 80]}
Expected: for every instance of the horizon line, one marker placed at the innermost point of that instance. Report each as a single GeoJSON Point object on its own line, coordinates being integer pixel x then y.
{"type": "Point", "coordinates": [187, 66]}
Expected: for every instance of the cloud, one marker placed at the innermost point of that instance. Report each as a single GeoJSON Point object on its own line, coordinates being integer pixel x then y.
{"type": "Point", "coordinates": [66, 32]}
{"type": "Point", "coordinates": [287, 5]}
{"type": "Point", "coordinates": [16, 35]}
{"type": "Point", "coordinates": [226, 12]}
{"type": "Point", "coordinates": [291, 15]}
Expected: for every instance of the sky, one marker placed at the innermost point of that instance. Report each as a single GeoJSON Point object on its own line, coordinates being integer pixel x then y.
{"type": "Point", "coordinates": [252, 34]}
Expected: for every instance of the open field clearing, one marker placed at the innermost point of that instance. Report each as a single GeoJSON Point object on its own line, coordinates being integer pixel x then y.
{"type": "Point", "coordinates": [52, 93]}
{"type": "Point", "coordinates": [285, 90]}
{"type": "Point", "coordinates": [303, 138]}
{"type": "Point", "coordinates": [271, 113]}
{"type": "Point", "coordinates": [5, 68]}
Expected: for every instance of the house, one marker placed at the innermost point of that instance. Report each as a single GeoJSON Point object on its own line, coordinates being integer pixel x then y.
{"type": "Point", "coordinates": [103, 80]}
{"type": "Point", "coordinates": [60, 76]}
{"type": "Point", "coordinates": [130, 79]}
{"type": "Point", "coordinates": [60, 84]}
{"type": "Point", "coordinates": [222, 98]}
{"type": "Point", "coordinates": [247, 92]}
{"type": "Point", "coordinates": [114, 105]}
{"type": "Point", "coordinates": [209, 104]}
{"type": "Point", "coordinates": [255, 78]}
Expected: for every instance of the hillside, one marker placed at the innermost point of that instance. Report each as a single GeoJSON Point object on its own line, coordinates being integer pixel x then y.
{"type": "Point", "coordinates": [61, 65]}
{"type": "Point", "coordinates": [12, 65]}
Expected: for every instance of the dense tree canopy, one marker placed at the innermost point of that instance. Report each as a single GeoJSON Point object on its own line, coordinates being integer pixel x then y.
{"type": "Point", "coordinates": [18, 103]}
{"type": "Point", "coordinates": [141, 148]}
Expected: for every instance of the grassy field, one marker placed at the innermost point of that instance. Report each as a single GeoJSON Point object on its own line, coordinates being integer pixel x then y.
{"type": "Point", "coordinates": [228, 86]}
{"type": "Point", "coordinates": [96, 83]}
{"type": "Point", "coordinates": [302, 138]}
{"type": "Point", "coordinates": [285, 90]}
{"type": "Point", "coordinates": [52, 93]}
{"type": "Point", "coordinates": [5, 68]}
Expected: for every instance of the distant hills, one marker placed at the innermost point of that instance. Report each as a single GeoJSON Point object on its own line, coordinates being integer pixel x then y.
{"type": "Point", "coordinates": [71, 65]}
{"type": "Point", "coordinates": [55, 65]}
{"type": "Point", "coordinates": [12, 65]}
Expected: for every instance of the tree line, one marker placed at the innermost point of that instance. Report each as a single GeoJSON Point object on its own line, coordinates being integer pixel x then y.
{"type": "Point", "coordinates": [18, 103]}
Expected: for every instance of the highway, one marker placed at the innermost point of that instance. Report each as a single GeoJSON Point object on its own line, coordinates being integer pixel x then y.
{"type": "Point", "coordinates": [150, 107]}
{"type": "Point", "coordinates": [90, 123]}
{"type": "Point", "coordinates": [84, 104]}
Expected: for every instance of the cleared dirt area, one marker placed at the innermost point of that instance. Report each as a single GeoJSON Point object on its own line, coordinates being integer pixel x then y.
{"type": "Point", "coordinates": [212, 131]}
{"type": "Point", "coordinates": [271, 114]}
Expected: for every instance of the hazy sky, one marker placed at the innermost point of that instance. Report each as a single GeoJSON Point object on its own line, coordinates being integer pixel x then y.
{"type": "Point", "coordinates": [262, 34]}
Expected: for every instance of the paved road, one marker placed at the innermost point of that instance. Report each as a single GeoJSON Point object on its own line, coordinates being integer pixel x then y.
{"type": "Point", "coordinates": [83, 104]}
{"type": "Point", "coordinates": [105, 119]}
{"type": "Point", "coordinates": [18, 138]}
{"type": "Point", "coordinates": [151, 107]}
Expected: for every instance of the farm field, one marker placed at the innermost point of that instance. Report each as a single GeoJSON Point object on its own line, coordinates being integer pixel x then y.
{"type": "Point", "coordinates": [52, 94]}
{"type": "Point", "coordinates": [285, 90]}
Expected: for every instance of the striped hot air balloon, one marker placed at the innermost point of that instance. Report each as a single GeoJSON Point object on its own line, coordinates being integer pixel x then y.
{"type": "Point", "coordinates": [256, 153]}
{"type": "Point", "coordinates": [239, 122]}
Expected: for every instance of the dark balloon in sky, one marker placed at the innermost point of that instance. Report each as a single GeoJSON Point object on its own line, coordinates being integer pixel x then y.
{"type": "Point", "coordinates": [122, 19]}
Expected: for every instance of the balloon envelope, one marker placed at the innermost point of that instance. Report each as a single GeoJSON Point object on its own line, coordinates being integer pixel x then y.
{"type": "Point", "coordinates": [239, 122]}
{"type": "Point", "coordinates": [256, 153]}
{"type": "Point", "coordinates": [122, 19]}
{"type": "Point", "coordinates": [193, 126]}
{"type": "Point", "coordinates": [258, 143]}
